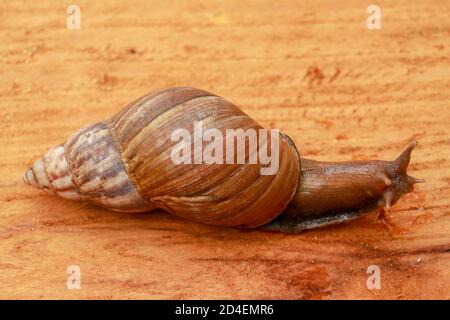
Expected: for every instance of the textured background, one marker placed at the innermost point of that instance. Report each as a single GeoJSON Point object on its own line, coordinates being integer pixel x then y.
{"type": "Point", "coordinates": [310, 68]}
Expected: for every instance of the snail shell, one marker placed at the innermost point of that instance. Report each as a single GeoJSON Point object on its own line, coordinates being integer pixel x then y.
{"type": "Point", "coordinates": [124, 164]}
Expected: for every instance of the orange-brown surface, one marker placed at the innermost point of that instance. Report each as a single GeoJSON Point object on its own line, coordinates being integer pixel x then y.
{"type": "Point", "coordinates": [309, 68]}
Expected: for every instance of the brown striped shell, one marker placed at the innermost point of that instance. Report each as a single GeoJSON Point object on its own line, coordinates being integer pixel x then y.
{"type": "Point", "coordinates": [124, 164]}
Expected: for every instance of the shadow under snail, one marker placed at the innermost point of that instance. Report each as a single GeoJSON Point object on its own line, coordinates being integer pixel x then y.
{"type": "Point", "coordinates": [124, 164]}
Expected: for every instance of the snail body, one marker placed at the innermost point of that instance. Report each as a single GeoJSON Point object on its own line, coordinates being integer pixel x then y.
{"type": "Point", "coordinates": [126, 164]}
{"type": "Point", "coordinates": [334, 192]}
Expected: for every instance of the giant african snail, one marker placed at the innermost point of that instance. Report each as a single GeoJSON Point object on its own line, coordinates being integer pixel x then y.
{"type": "Point", "coordinates": [126, 164]}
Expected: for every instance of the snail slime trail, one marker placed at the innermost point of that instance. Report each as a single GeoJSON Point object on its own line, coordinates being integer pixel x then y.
{"type": "Point", "coordinates": [235, 147]}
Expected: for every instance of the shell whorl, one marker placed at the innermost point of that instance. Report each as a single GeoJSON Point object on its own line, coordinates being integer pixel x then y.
{"type": "Point", "coordinates": [218, 194]}
{"type": "Point", "coordinates": [52, 174]}
{"type": "Point", "coordinates": [88, 168]}
{"type": "Point", "coordinates": [124, 163]}
{"type": "Point", "coordinates": [98, 171]}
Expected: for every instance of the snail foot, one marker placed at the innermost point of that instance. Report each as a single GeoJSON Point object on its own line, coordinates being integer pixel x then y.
{"type": "Point", "coordinates": [292, 224]}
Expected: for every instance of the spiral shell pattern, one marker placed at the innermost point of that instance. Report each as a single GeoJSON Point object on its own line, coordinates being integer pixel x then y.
{"type": "Point", "coordinates": [124, 164]}
{"type": "Point", "coordinates": [52, 174]}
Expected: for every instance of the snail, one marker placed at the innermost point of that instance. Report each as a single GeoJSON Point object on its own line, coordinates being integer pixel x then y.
{"type": "Point", "coordinates": [140, 160]}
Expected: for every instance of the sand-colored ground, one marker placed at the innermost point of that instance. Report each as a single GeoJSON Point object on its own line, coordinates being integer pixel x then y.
{"type": "Point", "coordinates": [309, 68]}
